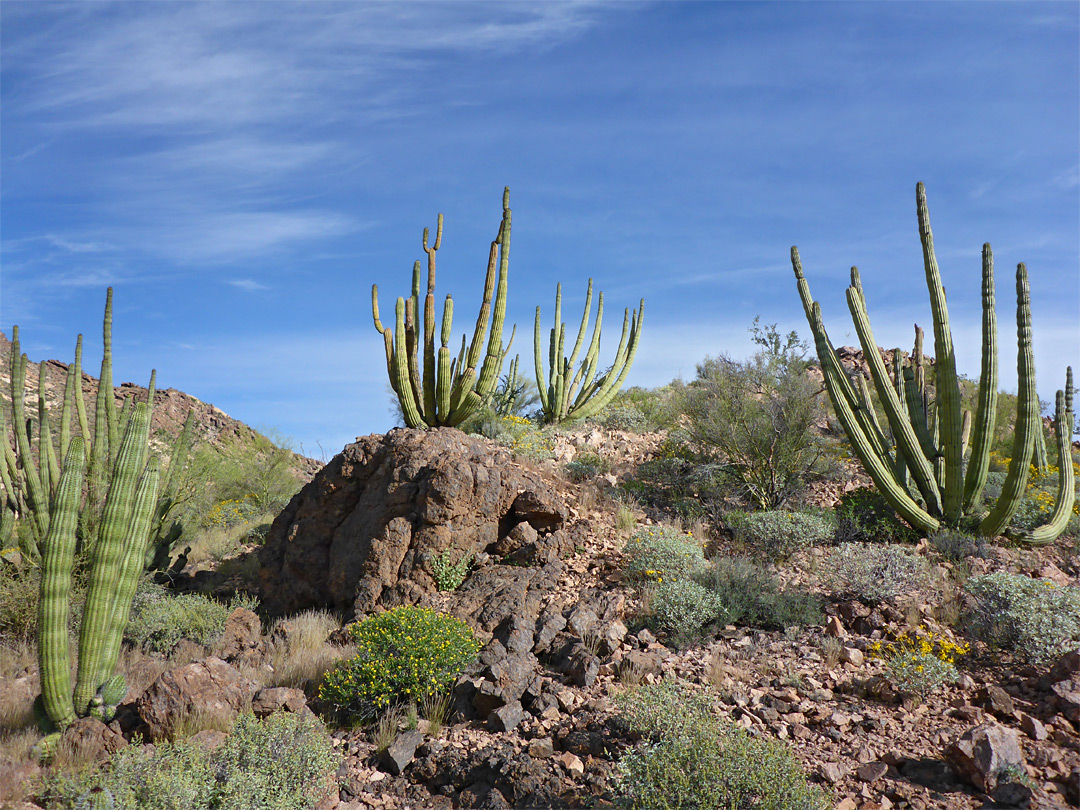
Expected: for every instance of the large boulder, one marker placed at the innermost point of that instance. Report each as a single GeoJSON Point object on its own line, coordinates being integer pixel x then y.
{"type": "Point", "coordinates": [366, 531]}
{"type": "Point", "coordinates": [210, 692]}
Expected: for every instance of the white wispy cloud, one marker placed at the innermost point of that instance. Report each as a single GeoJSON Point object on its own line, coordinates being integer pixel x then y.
{"type": "Point", "coordinates": [248, 285]}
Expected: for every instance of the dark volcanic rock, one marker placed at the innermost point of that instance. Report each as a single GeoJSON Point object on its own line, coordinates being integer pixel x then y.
{"type": "Point", "coordinates": [366, 530]}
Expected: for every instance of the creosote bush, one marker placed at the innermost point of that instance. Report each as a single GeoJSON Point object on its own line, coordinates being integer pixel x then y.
{"type": "Point", "coordinates": [690, 758]}
{"type": "Point", "coordinates": [1034, 618]}
{"type": "Point", "coordinates": [777, 534]}
{"type": "Point", "coordinates": [402, 655]}
{"type": "Point", "coordinates": [875, 573]}
{"type": "Point", "coordinates": [283, 762]}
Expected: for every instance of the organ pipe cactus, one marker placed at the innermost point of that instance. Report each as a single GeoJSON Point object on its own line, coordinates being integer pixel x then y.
{"type": "Point", "coordinates": [572, 395]}
{"type": "Point", "coordinates": [446, 391]}
{"type": "Point", "coordinates": [925, 479]}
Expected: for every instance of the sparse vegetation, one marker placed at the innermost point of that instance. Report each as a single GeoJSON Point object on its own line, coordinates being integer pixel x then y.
{"type": "Point", "coordinates": [875, 573]}
{"type": "Point", "coordinates": [160, 619]}
{"type": "Point", "coordinates": [776, 534]}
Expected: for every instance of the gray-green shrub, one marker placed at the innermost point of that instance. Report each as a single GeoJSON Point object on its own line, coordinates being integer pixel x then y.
{"type": "Point", "coordinates": [956, 546]}
{"type": "Point", "coordinates": [160, 619]}
{"type": "Point", "coordinates": [660, 553]}
{"type": "Point", "coordinates": [874, 573]}
{"type": "Point", "coordinates": [284, 762]}
{"type": "Point", "coordinates": [682, 607]}
{"type": "Point", "coordinates": [1035, 618]}
{"type": "Point", "coordinates": [777, 534]}
{"type": "Point", "coordinates": [690, 758]}
{"type": "Point", "coordinates": [752, 596]}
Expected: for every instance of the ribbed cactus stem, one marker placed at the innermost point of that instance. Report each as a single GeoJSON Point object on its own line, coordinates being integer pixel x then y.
{"type": "Point", "coordinates": [58, 556]}
{"type": "Point", "coordinates": [986, 410]}
{"type": "Point", "coordinates": [80, 400]}
{"type": "Point", "coordinates": [1027, 417]}
{"type": "Point", "coordinates": [50, 467]}
{"type": "Point", "coordinates": [107, 557]}
{"type": "Point", "coordinates": [37, 498]}
{"type": "Point", "coordinates": [1066, 490]}
{"type": "Point", "coordinates": [131, 565]}
{"type": "Point", "coordinates": [947, 385]}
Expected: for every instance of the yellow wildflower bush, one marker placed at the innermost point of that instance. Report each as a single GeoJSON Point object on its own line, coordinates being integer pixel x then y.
{"type": "Point", "coordinates": [919, 660]}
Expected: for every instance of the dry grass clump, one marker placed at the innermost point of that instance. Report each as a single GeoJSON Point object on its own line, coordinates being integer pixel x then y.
{"type": "Point", "coordinates": [300, 653]}
{"type": "Point", "coordinates": [18, 687]}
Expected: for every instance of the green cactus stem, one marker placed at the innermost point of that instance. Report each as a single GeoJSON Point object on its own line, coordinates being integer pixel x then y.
{"type": "Point", "coordinates": [570, 395]}
{"type": "Point", "coordinates": [1066, 490]}
{"type": "Point", "coordinates": [58, 556]}
{"type": "Point", "coordinates": [933, 438]}
{"type": "Point", "coordinates": [443, 391]}
{"type": "Point", "coordinates": [113, 543]}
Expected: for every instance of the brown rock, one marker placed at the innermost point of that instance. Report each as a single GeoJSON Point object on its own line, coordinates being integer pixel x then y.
{"type": "Point", "coordinates": [208, 739]}
{"type": "Point", "coordinates": [831, 772]}
{"type": "Point", "coordinates": [211, 690]}
{"type": "Point", "coordinates": [996, 701]}
{"type": "Point", "coordinates": [279, 699]}
{"type": "Point", "coordinates": [853, 656]}
{"type": "Point", "coordinates": [90, 740]}
{"type": "Point", "coordinates": [366, 530]}
{"type": "Point", "coordinates": [242, 640]}
{"type": "Point", "coordinates": [980, 754]}
{"type": "Point", "coordinates": [871, 771]}
{"type": "Point", "coordinates": [1032, 727]}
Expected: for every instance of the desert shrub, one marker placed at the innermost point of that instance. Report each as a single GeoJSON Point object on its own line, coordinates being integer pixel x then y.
{"type": "Point", "coordinates": [402, 655]}
{"type": "Point", "coordinates": [586, 466]}
{"type": "Point", "coordinates": [284, 762]}
{"type": "Point", "coordinates": [160, 619]}
{"type": "Point", "coordinates": [758, 417]}
{"type": "Point", "coordinates": [864, 516]}
{"type": "Point", "coordinates": [623, 417]}
{"type": "Point", "coordinates": [919, 661]}
{"type": "Point", "coordinates": [448, 574]}
{"type": "Point", "coordinates": [19, 591]}
{"type": "Point", "coordinates": [682, 607]}
{"type": "Point", "coordinates": [956, 545]}
{"type": "Point", "coordinates": [640, 410]}
{"type": "Point", "coordinates": [526, 437]}
{"type": "Point", "coordinates": [1040, 498]}
{"type": "Point", "coordinates": [776, 534]}
{"type": "Point", "coordinates": [661, 553]}
{"type": "Point", "coordinates": [752, 597]}
{"type": "Point", "coordinates": [1035, 618]}
{"type": "Point", "coordinates": [874, 573]}
{"type": "Point", "coordinates": [690, 758]}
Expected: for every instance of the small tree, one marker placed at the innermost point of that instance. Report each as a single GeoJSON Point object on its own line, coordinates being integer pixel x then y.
{"type": "Point", "coordinates": [757, 415]}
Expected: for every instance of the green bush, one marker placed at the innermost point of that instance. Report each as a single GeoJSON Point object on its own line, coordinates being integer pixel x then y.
{"type": "Point", "coordinates": [864, 516]}
{"type": "Point", "coordinates": [19, 591]}
{"type": "Point", "coordinates": [284, 762]}
{"type": "Point", "coordinates": [1033, 617]}
{"type": "Point", "coordinates": [776, 535]}
{"type": "Point", "coordinates": [160, 619]}
{"type": "Point", "coordinates": [405, 654]}
{"type": "Point", "coordinates": [752, 597]}
{"type": "Point", "coordinates": [586, 466]}
{"type": "Point", "coordinates": [639, 410]}
{"type": "Point", "coordinates": [449, 575]}
{"type": "Point", "coordinates": [692, 759]}
{"type": "Point", "coordinates": [758, 417]}
{"type": "Point", "coordinates": [659, 553]}
{"type": "Point", "coordinates": [874, 573]}
{"type": "Point", "coordinates": [682, 607]}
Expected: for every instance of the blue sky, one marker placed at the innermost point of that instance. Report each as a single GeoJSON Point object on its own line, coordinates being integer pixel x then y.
{"type": "Point", "coordinates": [242, 173]}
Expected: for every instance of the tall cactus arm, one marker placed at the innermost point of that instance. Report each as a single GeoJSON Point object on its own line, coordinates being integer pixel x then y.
{"type": "Point", "coordinates": [846, 390]}
{"type": "Point", "coordinates": [403, 383]}
{"type": "Point", "coordinates": [50, 467]}
{"type": "Point", "coordinates": [1027, 417]}
{"type": "Point", "coordinates": [1066, 491]}
{"type": "Point", "coordinates": [58, 556]}
{"type": "Point", "coordinates": [876, 465]}
{"type": "Point", "coordinates": [489, 373]}
{"type": "Point", "coordinates": [66, 411]}
{"type": "Point", "coordinates": [108, 553]}
{"type": "Point", "coordinates": [541, 380]}
{"type": "Point", "coordinates": [132, 562]}
{"type": "Point", "coordinates": [903, 433]}
{"type": "Point", "coordinates": [612, 381]}
{"type": "Point", "coordinates": [430, 373]}
{"type": "Point", "coordinates": [986, 409]}
{"type": "Point", "coordinates": [80, 400]}
{"type": "Point", "coordinates": [37, 498]}
{"type": "Point", "coordinates": [916, 407]}
{"type": "Point", "coordinates": [105, 383]}
{"type": "Point", "coordinates": [948, 388]}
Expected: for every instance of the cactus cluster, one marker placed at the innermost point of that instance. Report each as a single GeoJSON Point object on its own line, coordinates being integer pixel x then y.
{"type": "Point", "coordinates": [569, 395]}
{"type": "Point", "coordinates": [113, 528]}
{"type": "Point", "coordinates": [447, 391]}
{"type": "Point", "coordinates": [931, 464]}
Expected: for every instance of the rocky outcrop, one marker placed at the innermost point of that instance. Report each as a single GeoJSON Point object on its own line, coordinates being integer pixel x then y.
{"type": "Point", "coordinates": [366, 532]}
{"type": "Point", "coordinates": [209, 691]}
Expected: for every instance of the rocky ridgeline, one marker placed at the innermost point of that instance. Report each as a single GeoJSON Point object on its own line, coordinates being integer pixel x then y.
{"type": "Point", "coordinates": [171, 407]}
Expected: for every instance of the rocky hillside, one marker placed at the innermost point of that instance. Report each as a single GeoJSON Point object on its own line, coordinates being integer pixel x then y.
{"type": "Point", "coordinates": [212, 425]}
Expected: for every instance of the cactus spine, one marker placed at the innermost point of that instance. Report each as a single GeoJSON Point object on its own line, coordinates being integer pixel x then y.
{"type": "Point", "coordinates": [557, 397]}
{"type": "Point", "coordinates": [446, 391]}
{"type": "Point", "coordinates": [931, 444]}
